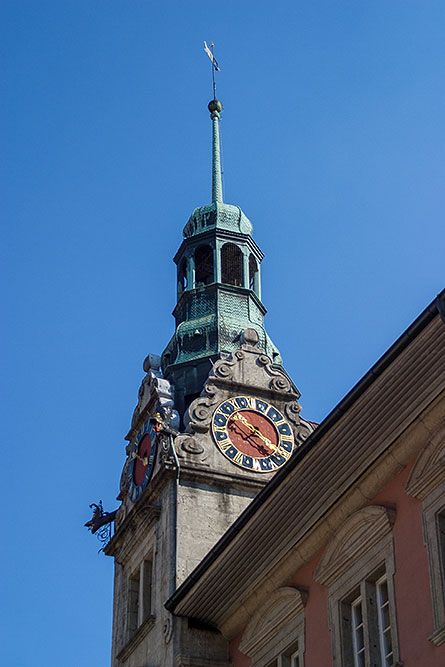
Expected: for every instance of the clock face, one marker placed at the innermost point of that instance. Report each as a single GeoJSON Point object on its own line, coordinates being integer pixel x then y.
{"type": "Point", "coordinates": [141, 460]}
{"type": "Point", "coordinates": [252, 433]}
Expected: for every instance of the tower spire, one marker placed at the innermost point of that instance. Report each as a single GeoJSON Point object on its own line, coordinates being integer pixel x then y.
{"type": "Point", "coordinates": [215, 108]}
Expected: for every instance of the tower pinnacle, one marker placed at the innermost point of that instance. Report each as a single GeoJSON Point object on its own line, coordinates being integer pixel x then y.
{"type": "Point", "coordinates": [215, 107]}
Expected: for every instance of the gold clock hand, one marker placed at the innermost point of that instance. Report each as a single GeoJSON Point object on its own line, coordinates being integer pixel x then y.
{"type": "Point", "coordinates": [144, 460]}
{"type": "Point", "coordinates": [255, 431]}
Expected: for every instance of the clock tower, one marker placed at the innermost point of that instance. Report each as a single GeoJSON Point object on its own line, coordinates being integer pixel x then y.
{"type": "Point", "coordinates": [216, 416]}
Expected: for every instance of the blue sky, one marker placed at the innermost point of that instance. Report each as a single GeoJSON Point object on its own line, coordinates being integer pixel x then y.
{"type": "Point", "coordinates": [333, 143]}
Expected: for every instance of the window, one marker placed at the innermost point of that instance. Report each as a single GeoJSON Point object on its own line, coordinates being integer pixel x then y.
{"type": "Point", "coordinates": [231, 265]}
{"type": "Point", "coordinates": [358, 633]}
{"type": "Point", "coordinates": [384, 615]}
{"type": "Point", "coordinates": [139, 597]}
{"type": "Point", "coordinates": [366, 619]}
{"type": "Point", "coordinates": [426, 483]}
{"type": "Point", "coordinates": [295, 659]}
{"type": "Point", "coordinates": [274, 636]}
{"type": "Point", "coordinates": [204, 273]}
{"type": "Point", "coordinates": [253, 274]}
{"type": "Point", "coordinates": [290, 658]}
{"type": "Point", "coordinates": [182, 276]}
{"type": "Point", "coordinates": [357, 567]}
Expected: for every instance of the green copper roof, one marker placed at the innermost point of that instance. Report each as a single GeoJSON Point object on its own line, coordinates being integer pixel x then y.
{"type": "Point", "coordinates": [217, 216]}
{"type": "Point", "coordinates": [219, 287]}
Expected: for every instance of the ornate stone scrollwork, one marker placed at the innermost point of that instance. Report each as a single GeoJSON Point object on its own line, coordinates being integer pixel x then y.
{"type": "Point", "coordinates": [189, 444]}
{"type": "Point", "coordinates": [303, 431]}
{"type": "Point", "coordinates": [280, 383]}
{"type": "Point", "coordinates": [167, 629]}
{"type": "Point", "coordinates": [223, 369]}
{"type": "Point", "coordinates": [292, 411]}
{"type": "Point", "coordinates": [199, 414]}
{"type": "Point", "coordinates": [164, 447]}
{"type": "Point", "coordinates": [211, 392]}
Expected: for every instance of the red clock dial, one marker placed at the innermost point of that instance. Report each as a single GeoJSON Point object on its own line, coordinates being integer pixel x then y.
{"type": "Point", "coordinates": [252, 433]}
{"type": "Point", "coordinates": [141, 463]}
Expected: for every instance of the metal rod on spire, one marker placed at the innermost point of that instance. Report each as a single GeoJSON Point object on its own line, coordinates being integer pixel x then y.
{"type": "Point", "coordinates": [215, 108]}
{"type": "Point", "coordinates": [214, 64]}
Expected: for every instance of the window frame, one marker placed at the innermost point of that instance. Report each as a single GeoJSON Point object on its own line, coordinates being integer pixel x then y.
{"type": "Point", "coordinates": [364, 577]}
{"type": "Point", "coordinates": [140, 602]}
{"type": "Point", "coordinates": [140, 605]}
{"type": "Point", "coordinates": [427, 485]}
{"type": "Point", "coordinates": [433, 508]}
{"type": "Point", "coordinates": [350, 571]}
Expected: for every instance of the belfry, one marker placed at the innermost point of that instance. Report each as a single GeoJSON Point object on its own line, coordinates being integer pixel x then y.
{"type": "Point", "coordinates": [217, 416]}
{"type": "Point", "coordinates": [219, 287]}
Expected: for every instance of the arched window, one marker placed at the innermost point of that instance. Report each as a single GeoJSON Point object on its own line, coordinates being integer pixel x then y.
{"type": "Point", "coordinates": [231, 265]}
{"type": "Point", "coordinates": [182, 276]}
{"type": "Point", "coordinates": [204, 273]}
{"type": "Point", "coordinates": [253, 271]}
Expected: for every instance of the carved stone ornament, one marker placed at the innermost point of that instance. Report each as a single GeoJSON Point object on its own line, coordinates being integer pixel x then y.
{"type": "Point", "coordinates": [247, 371]}
{"type": "Point", "coordinates": [154, 388]}
{"type": "Point", "coordinates": [282, 608]}
{"type": "Point", "coordinates": [164, 444]}
{"type": "Point", "coordinates": [189, 444]}
{"type": "Point", "coordinates": [429, 469]}
{"type": "Point", "coordinates": [357, 535]}
{"type": "Point", "coordinates": [167, 629]}
{"type": "Point", "coordinates": [305, 428]}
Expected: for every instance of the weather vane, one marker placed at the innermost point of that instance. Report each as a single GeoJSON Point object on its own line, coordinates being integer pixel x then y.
{"type": "Point", "coordinates": [215, 66]}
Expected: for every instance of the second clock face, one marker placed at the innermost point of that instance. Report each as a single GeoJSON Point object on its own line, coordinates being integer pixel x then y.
{"type": "Point", "coordinates": [252, 433]}
{"type": "Point", "coordinates": [141, 460]}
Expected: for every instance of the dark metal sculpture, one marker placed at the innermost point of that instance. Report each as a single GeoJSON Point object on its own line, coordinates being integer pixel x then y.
{"type": "Point", "coordinates": [100, 523]}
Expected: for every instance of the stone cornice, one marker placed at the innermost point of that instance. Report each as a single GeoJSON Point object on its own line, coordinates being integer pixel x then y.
{"type": "Point", "coordinates": [137, 522]}
{"type": "Point", "coordinates": [187, 661]}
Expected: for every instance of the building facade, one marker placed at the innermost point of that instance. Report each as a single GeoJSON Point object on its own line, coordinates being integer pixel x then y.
{"type": "Point", "coordinates": [348, 539]}
{"type": "Point", "coordinates": [246, 535]}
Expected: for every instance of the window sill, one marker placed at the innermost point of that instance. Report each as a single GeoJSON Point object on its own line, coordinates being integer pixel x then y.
{"type": "Point", "coordinates": [136, 638]}
{"type": "Point", "coordinates": [438, 636]}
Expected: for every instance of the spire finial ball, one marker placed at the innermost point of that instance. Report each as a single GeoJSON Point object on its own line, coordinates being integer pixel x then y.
{"type": "Point", "coordinates": [214, 105]}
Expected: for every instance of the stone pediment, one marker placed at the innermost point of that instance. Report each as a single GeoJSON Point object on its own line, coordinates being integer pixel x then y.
{"type": "Point", "coordinates": [357, 535]}
{"type": "Point", "coordinates": [429, 469]}
{"type": "Point", "coordinates": [282, 609]}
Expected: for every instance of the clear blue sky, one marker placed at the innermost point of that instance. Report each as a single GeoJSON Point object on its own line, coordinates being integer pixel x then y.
{"type": "Point", "coordinates": [334, 141]}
